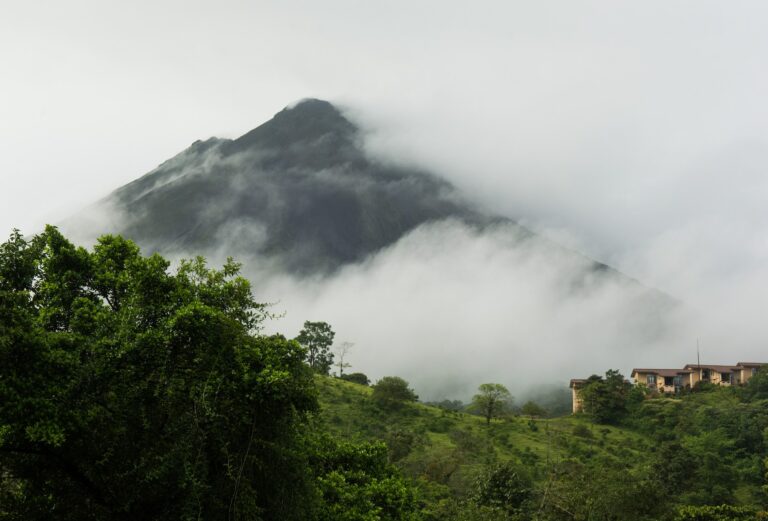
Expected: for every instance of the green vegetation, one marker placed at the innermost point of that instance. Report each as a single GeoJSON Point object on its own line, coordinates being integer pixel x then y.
{"type": "Point", "coordinates": [391, 392]}
{"type": "Point", "coordinates": [317, 339]}
{"type": "Point", "coordinates": [132, 391]}
{"type": "Point", "coordinates": [491, 401]}
{"type": "Point", "coordinates": [660, 458]}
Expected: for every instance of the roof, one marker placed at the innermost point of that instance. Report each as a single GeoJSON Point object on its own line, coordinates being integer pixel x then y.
{"type": "Point", "coordinates": [718, 368]}
{"type": "Point", "coordinates": [577, 381]}
{"type": "Point", "coordinates": [752, 364]}
{"type": "Point", "coordinates": [662, 372]}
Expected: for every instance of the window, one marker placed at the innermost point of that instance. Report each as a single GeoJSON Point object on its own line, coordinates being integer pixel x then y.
{"type": "Point", "coordinates": [677, 381]}
{"type": "Point", "coordinates": [725, 377]}
{"type": "Point", "coordinates": [754, 371]}
{"type": "Point", "coordinates": [651, 379]}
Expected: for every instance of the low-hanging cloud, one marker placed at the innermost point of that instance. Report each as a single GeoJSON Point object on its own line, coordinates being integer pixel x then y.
{"type": "Point", "coordinates": [450, 306]}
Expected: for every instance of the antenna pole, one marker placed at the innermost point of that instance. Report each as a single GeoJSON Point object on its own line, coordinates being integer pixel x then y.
{"type": "Point", "coordinates": [698, 358]}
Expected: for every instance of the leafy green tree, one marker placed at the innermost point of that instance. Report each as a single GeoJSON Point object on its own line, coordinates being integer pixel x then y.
{"type": "Point", "coordinates": [317, 339]}
{"type": "Point", "coordinates": [491, 401]}
{"type": "Point", "coordinates": [391, 392]}
{"type": "Point", "coordinates": [357, 483]}
{"type": "Point", "coordinates": [757, 386]}
{"type": "Point", "coordinates": [131, 392]}
{"type": "Point", "coordinates": [606, 400]}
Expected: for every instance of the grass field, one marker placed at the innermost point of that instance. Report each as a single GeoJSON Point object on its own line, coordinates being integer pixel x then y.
{"type": "Point", "coordinates": [446, 449]}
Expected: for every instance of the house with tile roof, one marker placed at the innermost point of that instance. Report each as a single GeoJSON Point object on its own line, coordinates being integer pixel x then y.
{"type": "Point", "coordinates": [671, 381]}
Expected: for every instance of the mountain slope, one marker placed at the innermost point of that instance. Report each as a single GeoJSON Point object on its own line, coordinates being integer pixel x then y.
{"type": "Point", "coordinates": [299, 187]}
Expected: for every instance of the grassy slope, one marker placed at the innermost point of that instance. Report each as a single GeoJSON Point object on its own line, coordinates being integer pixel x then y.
{"type": "Point", "coordinates": [447, 448]}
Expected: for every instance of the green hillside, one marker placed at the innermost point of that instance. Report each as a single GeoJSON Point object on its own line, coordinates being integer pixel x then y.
{"type": "Point", "coordinates": [660, 459]}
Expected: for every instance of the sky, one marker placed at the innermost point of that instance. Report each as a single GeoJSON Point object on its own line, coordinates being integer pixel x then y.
{"type": "Point", "coordinates": [634, 132]}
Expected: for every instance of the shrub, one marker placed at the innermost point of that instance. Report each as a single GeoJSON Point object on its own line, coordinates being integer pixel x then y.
{"type": "Point", "coordinates": [357, 378]}
{"type": "Point", "coordinates": [392, 392]}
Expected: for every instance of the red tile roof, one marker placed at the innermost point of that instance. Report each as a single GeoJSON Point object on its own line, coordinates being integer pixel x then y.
{"type": "Point", "coordinates": [662, 372]}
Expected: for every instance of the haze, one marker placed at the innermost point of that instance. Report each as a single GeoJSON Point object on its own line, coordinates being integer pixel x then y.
{"type": "Point", "coordinates": [635, 133]}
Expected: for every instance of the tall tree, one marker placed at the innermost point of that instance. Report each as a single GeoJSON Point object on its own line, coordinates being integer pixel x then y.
{"type": "Point", "coordinates": [607, 399]}
{"type": "Point", "coordinates": [491, 401]}
{"type": "Point", "coordinates": [317, 339]}
{"type": "Point", "coordinates": [143, 393]}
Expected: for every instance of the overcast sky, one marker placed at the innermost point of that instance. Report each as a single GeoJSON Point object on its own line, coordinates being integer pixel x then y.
{"type": "Point", "coordinates": [633, 131]}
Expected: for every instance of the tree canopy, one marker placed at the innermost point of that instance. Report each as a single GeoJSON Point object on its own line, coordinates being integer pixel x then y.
{"type": "Point", "coordinates": [317, 339]}
{"type": "Point", "coordinates": [132, 391]}
{"type": "Point", "coordinates": [491, 401]}
{"type": "Point", "coordinates": [392, 391]}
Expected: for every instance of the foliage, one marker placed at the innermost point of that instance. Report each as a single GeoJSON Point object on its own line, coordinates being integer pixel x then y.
{"type": "Point", "coordinates": [718, 513]}
{"type": "Point", "coordinates": [531, 408]}
{"type": "Point", "coordinates": [391, 392]}
{"type": "Point", "coordinates": [757, 386]}
{"type": "Point", "coordinates": [357, 484]}
{"type": "Point", "coordinates": [358, 378]}
{"type": "Point", "coordinates": [491, 401]}
{"type": "Point", "coordinates": [317, 339]}
{"type": "Point", "coordinates": [608, 400]}
{"type": "Point", "coordinates": [143, 393]}
{"type": "Point", "coordinates": [505, 486]}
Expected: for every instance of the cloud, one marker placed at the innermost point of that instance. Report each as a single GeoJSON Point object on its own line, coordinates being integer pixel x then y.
{"type": "Point", "coordinates": [633, 133]}
{"type": "Point", "coordinates": [449, 307]}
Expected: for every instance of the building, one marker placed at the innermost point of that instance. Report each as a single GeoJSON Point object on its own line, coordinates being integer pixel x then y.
{"type": "Point", "coordinates": [577, 403]}
{"type": "Point", "coordinates": [663, 380]}
{"type": "Point", "coordinates": [674, 380]}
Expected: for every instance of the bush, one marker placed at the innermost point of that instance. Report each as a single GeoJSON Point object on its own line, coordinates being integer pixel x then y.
{"type": "Point", "coordinates": [582, 431]}
{"type": "Point", "coordinates": [392, 392]}
{"type": "Point", "coordinates": [504, 486]}
{"type": "Point", "coordinates": [718, 513]}
{"type": "Point", "coordinates": [357, 378]}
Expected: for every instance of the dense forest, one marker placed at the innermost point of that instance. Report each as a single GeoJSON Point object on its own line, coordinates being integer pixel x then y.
{"type": "Point", "coordinates": [133, 389]}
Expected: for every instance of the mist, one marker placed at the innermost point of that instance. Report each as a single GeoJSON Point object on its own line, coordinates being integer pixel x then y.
{"type": "Point", "coordinates": [634, 134]}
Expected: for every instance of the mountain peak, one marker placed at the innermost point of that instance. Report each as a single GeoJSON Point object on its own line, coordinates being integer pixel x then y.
{"type": "Point", "coordinates": [304, 122]}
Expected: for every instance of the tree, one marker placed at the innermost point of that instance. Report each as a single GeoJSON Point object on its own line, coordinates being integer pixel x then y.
{"type": "Point", "coordinates": [317, 338]}
{"type": "Point", "coordinates": [342, 350]}
{"type": "Point", "coordinates": [491, 401]}
{"type": "Point", "coordinates": [391, 392]}
{"type": "Point", "coordinates": [356, 483]}
{"type": "Point", "coordinates": [142, 393]}
{"type": "Point", "coordinates": [606, 399]}
{"type": "Point", "coordinates": [757, 386]}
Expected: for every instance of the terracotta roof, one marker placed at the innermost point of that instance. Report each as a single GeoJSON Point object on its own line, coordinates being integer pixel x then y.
{"type": "Point", "coordinates": [718, 368]}
{"type": "Point", "coordinates": [662, 372]}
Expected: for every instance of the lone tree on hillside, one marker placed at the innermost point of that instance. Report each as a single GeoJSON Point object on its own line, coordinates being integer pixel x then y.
{"type": "Point", "coordinates": [317, 339]}
{"type": "Point", "coordinates": [392, 391]}
{"type": "Point", "coordinates": [342, 350]}
{"type": "Point", "coordinates": [491, 401]}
